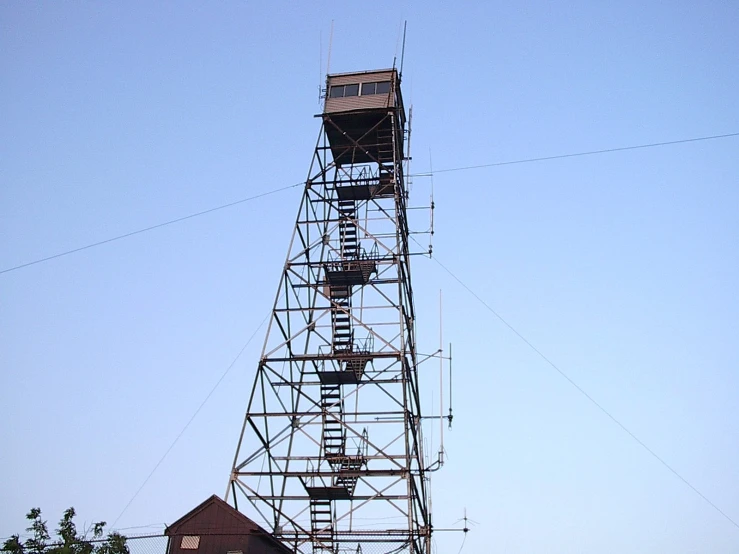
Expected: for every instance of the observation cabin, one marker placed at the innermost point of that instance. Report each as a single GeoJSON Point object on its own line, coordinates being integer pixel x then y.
{"type": "Point", "coordinates": [364, 116]}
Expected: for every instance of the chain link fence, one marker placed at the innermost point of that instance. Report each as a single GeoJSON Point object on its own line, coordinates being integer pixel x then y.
{"type": "Point", "coordinates": [218, 543]}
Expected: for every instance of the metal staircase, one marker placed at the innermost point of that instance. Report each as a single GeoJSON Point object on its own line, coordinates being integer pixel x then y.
{"type": "Point", "coordinates": [348, 230]}
{"type": "Point", "coordinates": [341, 320]}
{"type": "Point", "coordinates": [348, 475]}
{"type": "Point", "coordinates": [321, 522]}
{"type": "Point", "coordinates": [332, 406]}
{"type": "Point", "coordinates": [385, 146]}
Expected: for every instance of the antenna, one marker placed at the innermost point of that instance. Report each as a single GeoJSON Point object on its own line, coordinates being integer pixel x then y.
{"type": "Point", "coordinates": [330, 44]}
{"type": "Point", "coordinates": [433, 206]}
{"type": "Point", "coordinates": [397, 45]}
{"type": "Point", "coordinates": [408, 158]}
{"type": "Point", "coordinates": [441, 382]}
{"type": "Point", "coordinates": [402, 52]}
{"type": "Point", "coordinates": [467, 521]}
{"type": "Point", "coordinates": [320, 64]}
{"type": "Point", "coordinates": [450, 386]}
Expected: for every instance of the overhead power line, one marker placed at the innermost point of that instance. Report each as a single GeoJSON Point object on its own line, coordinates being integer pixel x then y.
{"type": "Point", "coordinates": [151, 228]}
{"type": "Point", "coordinates": [425, 174]}
{"type": "Point", "coordinates": [575, 155]}
{"type": "Point", "coordinates": [586, 395]}
{"type": "Point", "coordinates": [189, 421]}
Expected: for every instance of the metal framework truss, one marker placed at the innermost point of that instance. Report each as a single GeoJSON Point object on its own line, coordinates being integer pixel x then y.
{"type": "Point", "coordinates": [332, 434]}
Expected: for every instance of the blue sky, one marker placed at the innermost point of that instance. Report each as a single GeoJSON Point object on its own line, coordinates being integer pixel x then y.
{"type": "Point", "coordinates": [621, 268]}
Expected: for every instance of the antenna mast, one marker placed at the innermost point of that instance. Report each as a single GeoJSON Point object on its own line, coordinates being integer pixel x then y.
{"type": "Point", "coordinates": [402, 52]}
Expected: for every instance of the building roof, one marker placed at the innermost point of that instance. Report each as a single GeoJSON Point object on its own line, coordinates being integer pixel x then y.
{"type": "Point", "coordinates": [197, 521]}
{"type": "Point", "coordinates": [239, 519]}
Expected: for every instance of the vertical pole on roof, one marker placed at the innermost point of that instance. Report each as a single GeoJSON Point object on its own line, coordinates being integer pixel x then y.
{"type": "Point", "coordinates": [320, 65]}
{"type": "Point", "coordinates": [330, 43]}
{"type": "Point", "coordinates": [402, 52]}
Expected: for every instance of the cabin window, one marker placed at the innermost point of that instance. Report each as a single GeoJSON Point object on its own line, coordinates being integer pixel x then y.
{"type": "Point", "coordinates": [340, 91]}
{"type": "Point", "coordinates": [190, 542]}
{"type": "Point", "coordinates": [375, 88]}
{"type": "Point", "coordinates": [368, 88]}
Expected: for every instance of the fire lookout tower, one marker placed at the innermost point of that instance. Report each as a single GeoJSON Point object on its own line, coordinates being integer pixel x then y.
{"type": "Point", "coordinates": [332, 433]}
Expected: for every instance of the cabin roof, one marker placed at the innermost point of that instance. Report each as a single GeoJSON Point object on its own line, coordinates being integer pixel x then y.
{"type": "Point", "coordinates": [389, 69]}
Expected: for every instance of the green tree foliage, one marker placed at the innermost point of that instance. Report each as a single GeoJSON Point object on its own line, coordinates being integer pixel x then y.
{"type": "Point", "coordinates": [67, 541]}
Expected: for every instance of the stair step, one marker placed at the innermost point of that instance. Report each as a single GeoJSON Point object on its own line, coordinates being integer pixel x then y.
{"type": "Point", "coordinates": [339, 296]}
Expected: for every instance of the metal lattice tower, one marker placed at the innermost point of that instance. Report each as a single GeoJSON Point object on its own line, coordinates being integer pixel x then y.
{"type": "Point", "coordinates": [332, 434]}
